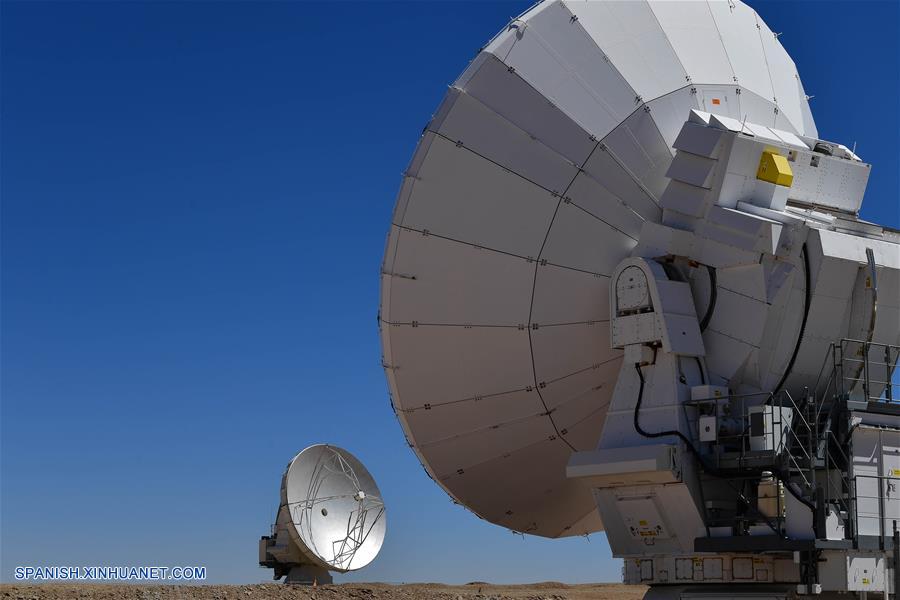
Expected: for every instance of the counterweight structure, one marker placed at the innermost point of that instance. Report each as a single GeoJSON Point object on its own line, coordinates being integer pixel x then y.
{"type": "Point", "coordinates": [626, 288]}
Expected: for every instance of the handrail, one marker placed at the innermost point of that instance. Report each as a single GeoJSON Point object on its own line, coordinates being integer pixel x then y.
{"type": "Point", "coordinates": [803, 443]}
{"type": "Point", "coordinates": [881, 497]}
{"type": "Point", "coordinates": [863, 376]}
{"type": "Point", "coordinates": [830, 352]}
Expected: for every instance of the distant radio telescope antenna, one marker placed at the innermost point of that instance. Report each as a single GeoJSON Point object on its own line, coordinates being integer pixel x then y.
{"type": "Point", "coordinates": [331, 518]}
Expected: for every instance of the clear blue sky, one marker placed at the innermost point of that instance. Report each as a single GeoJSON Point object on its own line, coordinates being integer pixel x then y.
{"type": "Point", "coordinates": [195, 198]}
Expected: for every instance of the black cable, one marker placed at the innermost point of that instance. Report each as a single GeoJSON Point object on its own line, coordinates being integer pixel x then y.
{"type": "Point", "coordinates": [647, 434]}
{"type": "Point", "coordinates": [700, 368]}
{"type": "Point", "coordinates": [807, 302]}
{"type": "Point", "coordinates": [713, 294]}
{"type": "Point", "coordinates": [690, 446]}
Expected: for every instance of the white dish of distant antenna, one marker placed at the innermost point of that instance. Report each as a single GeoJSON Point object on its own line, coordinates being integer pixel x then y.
{"type": "Point", "coordinates": [331, 517]}
{"type": "Point", "coordinates": [335, 507]}
{"type": "Point", "coordinates": [530, 184]}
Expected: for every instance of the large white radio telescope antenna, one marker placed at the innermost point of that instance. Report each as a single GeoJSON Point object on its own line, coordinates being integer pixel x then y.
{"type": "Point", "coordinates": [331, 517]}
{"type": "Point", "coordinates": [529, 185]}
{"type": "Point", "coordinates": [626, 287]}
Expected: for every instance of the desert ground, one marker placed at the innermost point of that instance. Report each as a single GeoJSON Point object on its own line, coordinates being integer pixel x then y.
{"type": "Point", "coordinates": [349, 591]}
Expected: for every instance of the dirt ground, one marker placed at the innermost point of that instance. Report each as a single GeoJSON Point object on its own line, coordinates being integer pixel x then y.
{"type": "Point", "coordinates": [349, 591]}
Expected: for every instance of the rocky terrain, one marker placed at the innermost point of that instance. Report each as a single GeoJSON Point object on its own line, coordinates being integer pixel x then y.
{"type": "Point", "coordinates": [354, 591]}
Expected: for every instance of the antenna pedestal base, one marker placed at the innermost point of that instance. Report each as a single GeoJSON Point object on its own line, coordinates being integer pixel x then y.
{"type": "Point", "coordinates": [308, 575]}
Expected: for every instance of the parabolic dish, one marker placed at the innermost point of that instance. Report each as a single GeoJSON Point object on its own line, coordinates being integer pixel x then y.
{"type": "Point", "coordinates": [335, 507]}
{"type": "Point", "coordinates": [529, 185]}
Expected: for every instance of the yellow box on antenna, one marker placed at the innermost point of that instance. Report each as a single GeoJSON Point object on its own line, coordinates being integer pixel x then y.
{"type": "Point", "coordinates": [774, 168]}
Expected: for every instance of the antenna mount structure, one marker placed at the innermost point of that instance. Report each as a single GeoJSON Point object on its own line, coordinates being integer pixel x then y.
{"type": "Point", "coordinates": [637, 297]}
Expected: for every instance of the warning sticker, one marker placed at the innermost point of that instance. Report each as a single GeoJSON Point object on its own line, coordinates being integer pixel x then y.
{"type": "Point", "coordinates": [642, 519]}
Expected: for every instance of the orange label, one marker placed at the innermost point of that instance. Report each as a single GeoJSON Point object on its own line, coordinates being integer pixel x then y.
{"type": "Point", "coordinates": [716, 101]}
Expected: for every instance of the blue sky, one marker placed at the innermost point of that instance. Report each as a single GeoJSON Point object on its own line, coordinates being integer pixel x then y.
{"type": "Point", "coordinates": [195, 199]}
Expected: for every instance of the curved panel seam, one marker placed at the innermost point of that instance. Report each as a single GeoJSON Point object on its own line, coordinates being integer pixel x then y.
{"type": "Point", "coordinates": [574, 20]}
{"type": "Point", "coordinates": [712, 17]}
{"type": "Point", "coordinates": [587, 88]}
{"type": "Point", "coordinates": [687, 76]}
{"type": "Point", "coordinates": [490, 249]}
{"type": "Point", "coordinates": [534, 286]}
